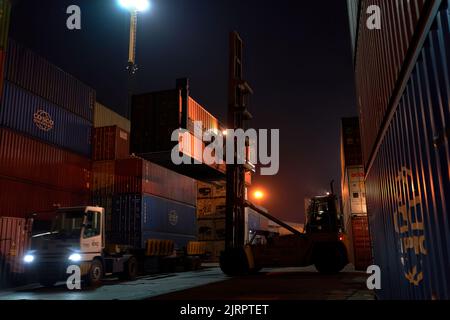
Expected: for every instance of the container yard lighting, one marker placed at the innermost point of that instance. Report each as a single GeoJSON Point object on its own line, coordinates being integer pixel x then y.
{"type": "Point", "coordinates": [135, 5]}
{"type": "Point", "coordinates": [258, 195]}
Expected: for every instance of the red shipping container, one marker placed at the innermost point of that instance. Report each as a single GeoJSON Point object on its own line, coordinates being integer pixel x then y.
{"type": "Point", "coordinates": [103, 178]}
{"type": "Point", "coordinates": [19, 199]}
{"type": "Point", "coordinates": [110, 143]}
{"type": "Point", "coordinates": [14, 242]}
{"type": "Point", "coordinates": [136, 175]}
{"type": "Point", "coordinates": [361, 242]}
{"type": "Point", "coordinates": [32, 160]}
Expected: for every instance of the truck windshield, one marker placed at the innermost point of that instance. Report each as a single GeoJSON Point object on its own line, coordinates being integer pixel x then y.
{"type": "Point", "coordinates": [68, 224]}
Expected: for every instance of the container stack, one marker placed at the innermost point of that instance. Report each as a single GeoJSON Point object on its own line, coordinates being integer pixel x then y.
{"type": "Point", "coordinates": [142, 200]}
{"type": "Point", "coordinates": [5, 10]}
{"type": "Point", "coordinates": [354, 195]}
{"type": "Point", "coordinates": [211, 206]}
{"type": "Point", "coordinates": [45, 137]}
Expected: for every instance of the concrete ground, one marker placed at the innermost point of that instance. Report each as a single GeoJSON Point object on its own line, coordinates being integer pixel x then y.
{"type": "Point", "coordinates": [211, 284]}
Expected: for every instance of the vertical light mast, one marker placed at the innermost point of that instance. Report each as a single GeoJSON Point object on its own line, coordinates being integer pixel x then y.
{"type": "Point", "coordinates": [134, 7]}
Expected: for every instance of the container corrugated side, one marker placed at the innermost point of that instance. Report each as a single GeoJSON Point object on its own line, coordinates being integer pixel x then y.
{"type": "Point", "coordinates": [5, 13]}
{"type": "Point", "coordinates": [137, 218]}
{"type": "Point", "coordinates": [19, 199]}
{"type": "Point", "coordinates": [380, 59]}
{"type": "Point", "coordinates": [28, 70]}
{"type": "Point", "coordinates": [31, 160]}
{"type": "Point", "coordinates": [154, 116]}
{"type": "Point", "coordinates": [103, 178]}
{"type": "Point", "coordinates": [14, 242]}
{"type": "Point", "coordinates": [2, 65]}
{"type": "Point", "coordinates": [105, 117]}
{"type": "Point", "coordinates": [110, 143]}
{"type": "Point", "coordinates": [136, 175]}
{"type": "Point", "coordinates": [408, 185]}
{"type": "Point", "coordinates": [362, 249]}
{"type": "Point", "coordinates": [37, 117]}
{"type": "Point", "coordinates": [106, 203]}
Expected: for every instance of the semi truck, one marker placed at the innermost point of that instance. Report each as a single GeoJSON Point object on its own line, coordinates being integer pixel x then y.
{"type": "Point", "coordinates": [77, 238]}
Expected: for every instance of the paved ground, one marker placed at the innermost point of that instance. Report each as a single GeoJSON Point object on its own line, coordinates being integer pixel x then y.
{"type": "Point", "coordinates": [282, 284]}
{"type": "Point", "coordinates": [212, 284]}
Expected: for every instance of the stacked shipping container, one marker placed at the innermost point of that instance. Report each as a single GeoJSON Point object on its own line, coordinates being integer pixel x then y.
{"type": "Point", "coordinates": [211, 206]}
{"type": "Point", "coordinates": [142, 200]}
{"type": "Point", "coordinates": [5, 10]}
{"type": "Point", "coordinates": [45, 128]}
{"type": "Point", "coordinates": [45, 133]}
{"type": "Point", "coordinates": [402, 74]}
{"type": "Point", "coordinates": [354, 195]}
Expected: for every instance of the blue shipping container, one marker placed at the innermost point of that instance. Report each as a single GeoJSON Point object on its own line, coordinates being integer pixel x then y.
{"type": "Point", "coordinates": [25, 112]}
{"type": "Point", "coordinates": [138, 217]}
{"type": "Point", "coordinates": [408, 185]}
{"type": "Point", "coordinates": [33, 73]}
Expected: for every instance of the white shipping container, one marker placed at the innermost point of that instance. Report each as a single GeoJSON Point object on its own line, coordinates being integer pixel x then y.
{"type": "Point", "coordinates": [105, 117]}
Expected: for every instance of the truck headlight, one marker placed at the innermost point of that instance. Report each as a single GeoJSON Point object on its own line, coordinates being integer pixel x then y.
{"type": "Point", "coordinates": [28, 258]}
{"type": "Point", "coordinates": [75, 257]}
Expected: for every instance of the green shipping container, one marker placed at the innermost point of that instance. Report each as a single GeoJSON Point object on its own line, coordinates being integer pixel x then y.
{"type": "Point", "coordinates": [5, 10]}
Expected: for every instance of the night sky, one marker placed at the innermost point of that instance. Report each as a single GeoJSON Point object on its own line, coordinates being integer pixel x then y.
{"type": "Point", "coordinates": [297, 59]}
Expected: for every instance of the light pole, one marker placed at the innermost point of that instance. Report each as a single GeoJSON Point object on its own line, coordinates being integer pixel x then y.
{"type": "Point", "coordinates": [133, 6]}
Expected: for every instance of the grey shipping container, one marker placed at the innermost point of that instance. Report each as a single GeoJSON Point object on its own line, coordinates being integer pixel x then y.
{"type": "Point", "coordinates": [408, 185]}
{"type": "Point", "coordinates": [138, 217]}
{"type": "Point", "coordinates": [33, 73]}
{"type": "Point", "coordinates": [28, 113]}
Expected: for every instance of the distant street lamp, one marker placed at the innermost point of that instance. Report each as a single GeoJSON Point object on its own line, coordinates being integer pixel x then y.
{"type": "Point", "coordinates": [258, 195]}
{"type": "Point", "coordinates": [133, 6]}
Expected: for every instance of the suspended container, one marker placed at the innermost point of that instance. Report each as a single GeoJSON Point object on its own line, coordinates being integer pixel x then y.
{"type": "Point", "coordinates": [156, 115]}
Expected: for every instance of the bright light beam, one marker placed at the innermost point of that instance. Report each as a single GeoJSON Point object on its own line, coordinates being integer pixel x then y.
{"type": "Point", "coordinates": [135, 5]}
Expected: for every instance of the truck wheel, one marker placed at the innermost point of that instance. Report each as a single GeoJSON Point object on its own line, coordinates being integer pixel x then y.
{"type": "Point", "coordinates": [95, 274]}
{"type": "Point", "coordinates": [130, 269]}
{"type": "Point", "coordinates": [233, 262]}
{"type": "Point", "coordinates": [330, 259]}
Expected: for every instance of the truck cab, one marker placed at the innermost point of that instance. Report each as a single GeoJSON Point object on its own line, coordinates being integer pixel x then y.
{"type": "Point", "coordinates": [76, 238]}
